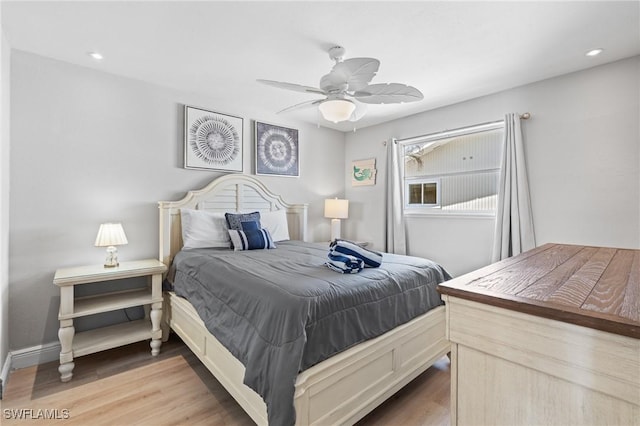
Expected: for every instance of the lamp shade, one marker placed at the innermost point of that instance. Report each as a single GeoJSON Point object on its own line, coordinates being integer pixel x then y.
{"type": "Point", "coordinates": [111, 234]}
{"type": "Point", "coordinates": [336, 209]}
{"type": "Point", "coordinates": [337, 110]}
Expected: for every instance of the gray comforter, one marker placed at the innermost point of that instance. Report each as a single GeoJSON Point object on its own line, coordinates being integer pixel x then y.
{"type": "Point", "coordinates": [281, 311]}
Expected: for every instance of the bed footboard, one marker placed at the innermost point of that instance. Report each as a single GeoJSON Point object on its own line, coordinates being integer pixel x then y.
{"type": "Point", "coordinates": [339, 390]}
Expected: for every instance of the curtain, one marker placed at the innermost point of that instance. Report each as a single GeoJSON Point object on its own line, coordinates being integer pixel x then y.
{"type": "Point", "coordinates": [396, 238]}
{"type": "Point", "coordinates": [514, 221]}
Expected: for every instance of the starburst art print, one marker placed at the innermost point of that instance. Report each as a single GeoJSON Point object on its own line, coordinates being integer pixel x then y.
{"type": "Point", "coordinates": [276, 150]}
{"type": "Point", "coordinates": [213, 141]}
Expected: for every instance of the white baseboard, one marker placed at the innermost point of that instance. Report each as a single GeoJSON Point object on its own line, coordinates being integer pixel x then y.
{"type": "Point", "coordinates": [34, 355]}
{"type": "Point", "coordinates": [4, 375]}
{"type": "Point", "coordinates": [28, 357]}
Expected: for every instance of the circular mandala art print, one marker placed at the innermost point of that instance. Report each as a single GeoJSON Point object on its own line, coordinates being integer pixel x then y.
{"type": "Point", "coordinates": [277, 150]}
{"type": "Point", "coordinates": [214, 140]}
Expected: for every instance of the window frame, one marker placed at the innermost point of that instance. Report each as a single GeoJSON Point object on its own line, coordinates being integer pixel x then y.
{"type": "Point", "coordinates": [436, 210]}
{"type": "Point", "coordinates": [422, 181]}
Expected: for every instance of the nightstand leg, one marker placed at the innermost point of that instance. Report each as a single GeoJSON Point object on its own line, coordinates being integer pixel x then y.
{"type": "Point", "coordinates": [65, 334]}
{"type": "Point", "coordinates": [156, 332]}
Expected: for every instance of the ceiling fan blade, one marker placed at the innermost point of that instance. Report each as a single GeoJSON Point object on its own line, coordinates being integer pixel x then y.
{"type": "Point", "coordinates": [292, 86]}
{"type": "Point", "coordinates": [390, 93]}
{"type": "Point", "coordinates": [359, 112]}
{"type": "Point", "coordinates": [355, 72]}
{"type": "Point", "coordinates": [301, 105]}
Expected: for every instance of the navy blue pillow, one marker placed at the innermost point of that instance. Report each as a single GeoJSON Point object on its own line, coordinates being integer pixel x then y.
{"type": "Point", "coordinates": [234, 220]}
{"type": "Point", "coordinates": [250, 226]}
{"type": "Point", "coordinates": [253, 239]}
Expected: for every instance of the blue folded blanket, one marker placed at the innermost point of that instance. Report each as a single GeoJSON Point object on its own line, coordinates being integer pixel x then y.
{"type": "Point", "coordinates": [344, 263]}
{"type": "Point", "coordinates": [371, 259]}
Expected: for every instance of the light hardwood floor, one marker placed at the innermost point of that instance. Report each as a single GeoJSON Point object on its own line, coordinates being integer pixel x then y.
{"type": "Point", "coordinates": [126, 386]}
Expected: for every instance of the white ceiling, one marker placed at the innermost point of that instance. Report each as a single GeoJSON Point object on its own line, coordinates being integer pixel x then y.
{"type": "Point", "coordinates": [451, 51]}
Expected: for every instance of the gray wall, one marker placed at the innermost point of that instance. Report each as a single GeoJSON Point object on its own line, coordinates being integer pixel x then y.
{"type": "Point", "coordinates": [4, 196]}
{"type": "Point", "coordinates": [89, 147]}
{"type": "Point", "coordinates": [582, 147]}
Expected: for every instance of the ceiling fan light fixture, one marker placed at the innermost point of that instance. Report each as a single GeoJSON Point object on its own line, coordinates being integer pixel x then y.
{"type": "Point", "coordinates": [347, 90]}
{"type": "Point", "coordinates": [336, 110]}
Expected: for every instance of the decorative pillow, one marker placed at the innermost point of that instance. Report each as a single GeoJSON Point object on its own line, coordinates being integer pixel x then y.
{"type": "Point", "coordinates": [234, 220]}
{"type": "Point", "coordinates": [253, 239]}
{"type": "Point", "coordinates": [202, 229]}
{"type": "Point", "coordinates": [276, 223]}
{"type": "Point", "coordinates": [250, 226]}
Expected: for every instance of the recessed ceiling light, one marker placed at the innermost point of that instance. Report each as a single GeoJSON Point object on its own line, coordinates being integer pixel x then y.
{"type": "Point", "coordinates": [594, 52]}
{"type": "Point", "coordinates": [95, 55]}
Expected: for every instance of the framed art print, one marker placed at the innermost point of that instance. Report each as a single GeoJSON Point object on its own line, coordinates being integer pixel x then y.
{"type": "Point", "coordinates": [212, 141]}
{"type": "Point", "coordinates": [363, 172]}
{"type": "Point", "coordinates": [277, 151]}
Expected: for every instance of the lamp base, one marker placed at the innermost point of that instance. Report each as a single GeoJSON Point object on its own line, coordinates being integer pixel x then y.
{"type": "Point", "coordinates": [335, 229]}
{"type": "Point", "coordinates": [112, 257]}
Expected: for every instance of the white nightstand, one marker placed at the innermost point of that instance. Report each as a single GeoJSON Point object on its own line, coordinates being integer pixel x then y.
{"type": "Point", "coordinates": [87, 342]}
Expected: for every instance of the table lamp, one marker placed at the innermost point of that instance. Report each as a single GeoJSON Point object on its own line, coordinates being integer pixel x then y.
{"type": "Point", "coordinates": [336, 209]}
{"type": "Point", "coordinates": [109, 236]}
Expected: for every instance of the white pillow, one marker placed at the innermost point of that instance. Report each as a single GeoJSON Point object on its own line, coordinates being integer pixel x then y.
{"type": "Point", "coordinates": [202, 229]}
{"type": "Point", "coordinates": [276, 223]}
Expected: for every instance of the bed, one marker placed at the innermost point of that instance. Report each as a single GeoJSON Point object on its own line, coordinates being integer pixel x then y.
{"type": "Point", "coordinates": [338, 390]}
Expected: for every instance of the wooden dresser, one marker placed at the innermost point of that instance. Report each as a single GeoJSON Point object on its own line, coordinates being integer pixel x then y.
{"type": "Point", "coordinates": [548, 337]}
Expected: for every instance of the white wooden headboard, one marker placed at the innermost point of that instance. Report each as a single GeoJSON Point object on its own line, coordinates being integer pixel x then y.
{"type": "Point", "coordinates": [228, 193]}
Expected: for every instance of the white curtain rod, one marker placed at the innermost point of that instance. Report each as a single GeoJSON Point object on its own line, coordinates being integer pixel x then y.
{"type": "Point", "coordinates": [457, 132]}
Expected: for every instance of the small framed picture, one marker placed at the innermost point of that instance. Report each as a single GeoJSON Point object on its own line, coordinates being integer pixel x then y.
{"type": "Point", "coordinates": [277, 151]}
{"type": "Point", "coordinates": [212, 141]}
{"type": "Point", "coordinates": [363, 172]}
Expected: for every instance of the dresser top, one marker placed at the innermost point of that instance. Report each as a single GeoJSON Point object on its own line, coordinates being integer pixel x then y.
{"type": "Point", "coordinates": [594, 287]}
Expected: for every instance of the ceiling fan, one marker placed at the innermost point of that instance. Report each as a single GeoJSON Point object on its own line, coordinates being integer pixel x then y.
{"type": "Point", "coordinates": [346, 89]}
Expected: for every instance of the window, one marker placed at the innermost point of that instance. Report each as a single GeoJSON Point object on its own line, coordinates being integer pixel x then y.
{"type": "Point", "coordinates": [423, 193]}
{"type": "Point", "coordinates": [453, 172]}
